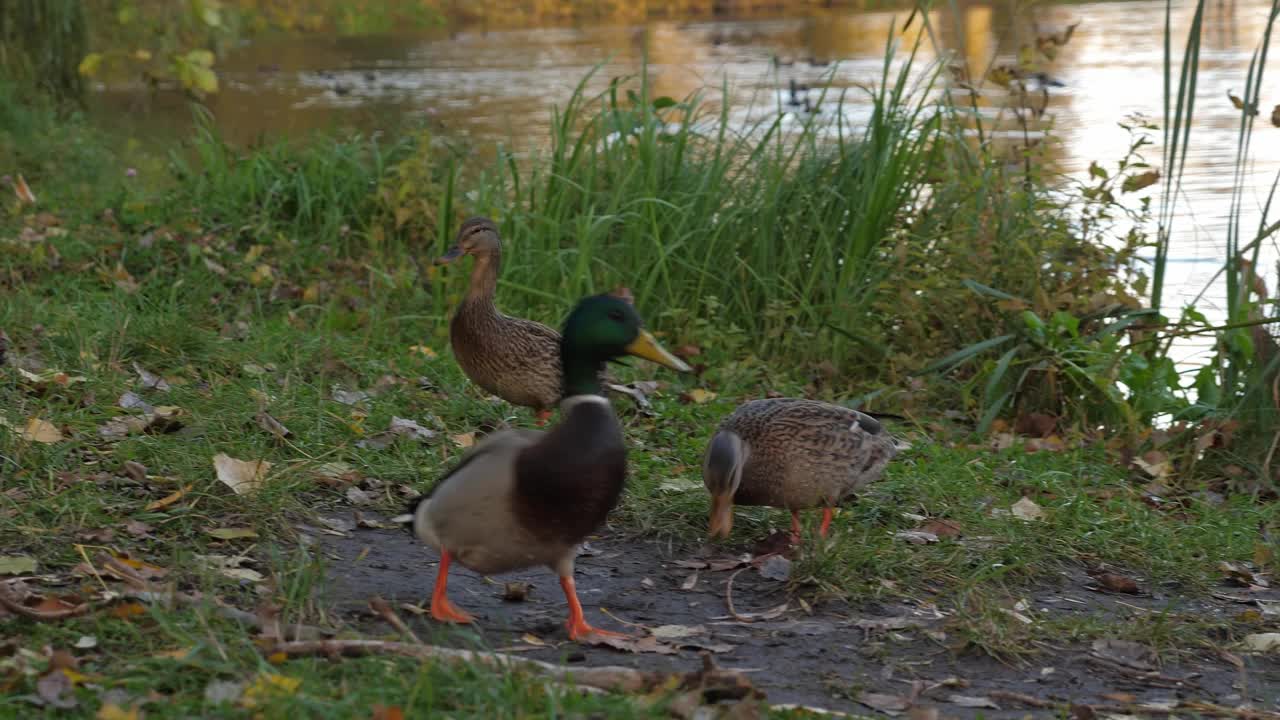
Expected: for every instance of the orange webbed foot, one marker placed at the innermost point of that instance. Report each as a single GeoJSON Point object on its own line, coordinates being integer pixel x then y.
{"type": "Point", "coordinates": [445, 611]}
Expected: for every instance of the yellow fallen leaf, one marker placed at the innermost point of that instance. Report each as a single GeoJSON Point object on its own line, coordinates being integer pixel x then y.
{"type": "Point", "coordinates": [261, 274]}
{"type": "Point", "coordinates": [111, 711]}
{"type": "Point", "coordinates": [170, 499]}
{"type": "Point", "coordinates": [277, 658]}
{"type": "Point", "coordinates": [254, 253]}
{"type": "Point", "coordinates": [242, 476]}
{"type": "Point", "coordinates": [41, 431]}
{"type": "Point", "coordinates": [266, 685]}
{"type": "Point", "coordinates": [700, 396]}
{"type": "Point", "coordinates": [423, 350]}
{"type": "Point", "coordinates": [464, 440]}
{"type": "Point", "coordinates": [175, 654]}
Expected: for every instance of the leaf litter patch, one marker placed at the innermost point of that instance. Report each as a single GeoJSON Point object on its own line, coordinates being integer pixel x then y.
{"type": "Point", "coordinates": [897, 657]}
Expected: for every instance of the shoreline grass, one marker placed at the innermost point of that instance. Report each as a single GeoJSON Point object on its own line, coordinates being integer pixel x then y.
{"type": "Point", "coordinates": [281, 278]}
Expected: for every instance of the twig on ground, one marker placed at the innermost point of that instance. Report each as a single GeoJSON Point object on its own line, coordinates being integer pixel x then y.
{"type": "Point", "coordinates": [382, 608]}
{"type": "Point", "coordinates": [749, 617]}
{"type": "Point", "coordinates": [613, 678]}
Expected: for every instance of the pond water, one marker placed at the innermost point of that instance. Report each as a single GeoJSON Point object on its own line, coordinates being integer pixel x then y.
{"type": "Point", "coordinates": [498, 86]}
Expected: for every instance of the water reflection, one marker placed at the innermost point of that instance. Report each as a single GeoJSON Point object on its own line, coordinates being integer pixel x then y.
{"type": "Point", "coordinates": [498, 86]}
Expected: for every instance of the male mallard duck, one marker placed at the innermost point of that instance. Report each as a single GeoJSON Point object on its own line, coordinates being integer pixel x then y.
{"type": "Point", "coordinates": [791, 453]}
{"type": "Point", "coordinates": [516, 359]}
{"type": "Point", "coordinates": [523, 498]}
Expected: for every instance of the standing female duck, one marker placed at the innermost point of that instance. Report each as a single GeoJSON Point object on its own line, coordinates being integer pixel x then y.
{"type": "Point", "coordinates": [792, 453]}
{"type": "Point", "coordinates": [516, 359]}
{"type": "Point", "coordinates": [523, 498]}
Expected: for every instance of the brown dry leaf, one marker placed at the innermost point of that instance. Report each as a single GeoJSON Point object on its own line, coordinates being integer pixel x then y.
{"type": "Point", "coordinates": [23, 191]}
{"type": "Point", "coordinates": [690, 582]}
{"type": "Point", "coordinates": [515, 591]}
{"type": "Point", "coordinates": [145, 570]}
{"type": "Point", "coordinates": [731, 563]}
{"type": "Point", "coordinates": [1262, 642]}
{"type": "Point", "coordinates": [215, 268]}
{"type": "Point", "coordinates": [1242, 576]}
{"type": "Point", "coordinates": [272, 425]}
{"type": "Point", "coordinates": [41, 431]}
{"type": "Point", "coordinates": [1134, 183]}
{"type": "Point", "coordinates": [128, 610]}
{"type": "Point", "coordinates": [465, 440]}
{"type": "Point", "coordinates": [887, 704]}
{"type": "Point", "coordinates": [169, 499]}
{"type": "Point", "coordinates": [941, 528]}
{"type": "Point", "coordinates": [1125, 652]}
{"type": "Point", "coordinates": [382, 712]}
{"type": "Point", "coordinates": [1118, 583]}
{"type": "Point", "coordinates": [137, 528]}
{"type": "Point", "coordinates": [242, 476]}
{"type": "Point", "coordinates": [399, 428]}
{"type": "Point", "coordinates": [1027, 509]}
{"type": "Point", "coordinates": [698, 396]}
{"type": "Point", "coordinates": [1120, 697]}
{"type": "Point", "coordinates": [1275, 116]}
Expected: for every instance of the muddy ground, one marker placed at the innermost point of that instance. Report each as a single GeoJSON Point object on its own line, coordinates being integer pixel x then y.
{"type": "Point", "coordinates": [830, 655]}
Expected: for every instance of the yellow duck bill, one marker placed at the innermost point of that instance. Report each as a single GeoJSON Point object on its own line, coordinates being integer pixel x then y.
{"type": "Point", "coordinates": [645, 346]}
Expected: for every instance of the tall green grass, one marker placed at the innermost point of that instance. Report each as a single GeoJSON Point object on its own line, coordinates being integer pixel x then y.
{"type": "Point", "coordinates": [1240, 382]}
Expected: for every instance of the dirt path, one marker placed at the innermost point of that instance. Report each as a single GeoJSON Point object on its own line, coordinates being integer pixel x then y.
{"type": "Point", "coordinates": [826, 658]}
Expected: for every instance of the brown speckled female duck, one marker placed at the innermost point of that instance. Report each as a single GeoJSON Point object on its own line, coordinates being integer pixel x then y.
{"type": "Point", "coordinates": [523, 498]}
{"type": "Point", "coordinates": [792, 453]}
{"type": "Point", "coordinates": [516, 359]}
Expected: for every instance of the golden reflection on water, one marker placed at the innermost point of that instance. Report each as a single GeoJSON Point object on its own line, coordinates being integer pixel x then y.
{"type": "Point", "coordinates": [498, 85]}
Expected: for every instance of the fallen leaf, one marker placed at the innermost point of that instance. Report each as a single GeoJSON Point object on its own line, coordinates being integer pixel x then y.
{"type": "Point", "coordinates": [629, 643]}
{"type": "Point", "coordinates": [86, 642]}
{"type": "Point", "coordinates": [222, 691]}
{"type": "Point", "coordinates": [383, 712]}
{"type": "Point", "coordinates": [17, 564]}
{"type": "Point", "coordinates": [732, 563]}
{"type": "Point", "coordinates": [41, 431]}
{"type": "Point", "coordinates": [143, 569]}
{"type": "Point", "coordinates": [132, 401]}
{"type": "Point", "coordinates": [1120, 697]}
{"type": "Point", "coordinates": [1027, 509]}
{"type": "Point", "coordinates": [214, 267]}
{"type": "Point", "coordinates": [639, 393]}
{"type": "Point", "coordinates": [399, 428]}
{"type": "Point", "coordinates": [149, 379]}
{"type": "Point", "coordinates": [698, 396]}
{"type": "Point", "coordinates": [971, 701]}
{"type": "Point", "coordinates": [676, 632]}
{"type": "Point", "coordinates": [137, 528]}
{"type": "Point", "coordinates": [23, 191]}
{"type": "Point", "coordinates": [111, 711]}
{"type": "Point", "coordinates": [1242, 576]}
{"type": "Point", "coordinates": [887, 704]}
{"type": "Point", "coordinates": [1275, 116]}
{"type": "Point", "coordinates": [374, 523]}
{"type": "Point", "coordinates": [1262, 642]}
{"type": "Point", "coordinates": [1124, 652]}
{"type": "Point", "coordinates": [261, 274]}
{"type": "Point", "coordinates": [776, 567]}
{"type": "Point", "coordinates": [230, 567]}
{"type": "Point", "coordinates": [350, 397]}
{"type": "Point", "coordinates": [465, 440]}
{"type": "Point", "coordinates": [515, 591]}
{"type": "Point", "coordinates": [690, 582]}
{"type": "Point", "coordinates": [242, 476]}
{"type": "Point", "coordinates": [941, 528]}
{"type": "Point", "coordinates": [272, 425]}
{"type": "Point", "coordinates": [423, 350]}
{"type": "Point", "coordinates": [267, 685]}
{"type": "Point", "coordinates": [135, 471]}
{"type": "Point", "coordinates": [169, 499]}
{"type": "Point", "coordinates": [679, 485]}
{"type": "Point", "coordinates": [1118, 583]}
{"type": "Point", "coordinates": [1154, 463]}
{"type": "Point", "coordinates": [54, 689]}
{"type": "Point", "coordinates": [336, 472]}
{"type": "Point", "coordinates": [128, 610]}
{"type": "Point", "coordinates": [233, 533]}
{"type": "Point", "coordinates": [358, 497]}
{"type": "Point", "coordinates": [916, 537]}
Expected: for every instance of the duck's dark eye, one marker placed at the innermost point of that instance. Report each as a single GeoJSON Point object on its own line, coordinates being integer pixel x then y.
{"type": "Point", "coordinates": [615, 315]}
